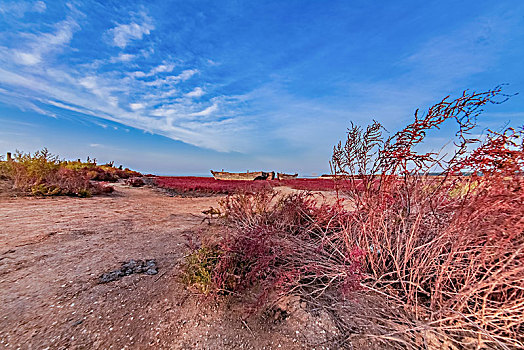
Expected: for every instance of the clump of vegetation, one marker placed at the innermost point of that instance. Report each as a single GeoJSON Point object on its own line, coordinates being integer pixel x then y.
{"type": "Point", "coordinates": [447, 250]}
{"type": "Point", "coordinates": [199, 267]}
{"type": "Point", "coordinates": [45, 174]}
{"type": "Point", "coordinates": [284, 244]}
{"type": "Point", "coordinates": [105, 172]}
{"type": "Point", "coordinates": [135, 182]}
{"type": "Point", "coordinates": [280, 245]}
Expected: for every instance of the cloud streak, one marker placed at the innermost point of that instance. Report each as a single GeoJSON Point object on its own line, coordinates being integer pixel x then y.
{"type": "Point", "coordinates": [38, 45]}
{"type": "Point", "coordinates": [19, 8]}
{"type": "Point", "coordinates": [123, 34]}
{"type": "Point", "coordinates": [152, 101]}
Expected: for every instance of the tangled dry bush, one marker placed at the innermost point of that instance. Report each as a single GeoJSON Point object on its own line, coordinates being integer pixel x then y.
{"type": "Point", "coordinates": [449, 248]}
{"type": "Point", "coordinates": [445, 253]}
{"type": "Point", "coordinates": [280, 244]}
{"type": "Point", "coordinates": [105, 172]}
{"type": "Point", "coordinates": [287, 244]}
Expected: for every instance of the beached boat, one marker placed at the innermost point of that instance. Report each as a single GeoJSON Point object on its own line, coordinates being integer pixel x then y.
{"type": "Point", "coordinates": [283, 176]}
{"type": "Point", "coordinates": [333, 176]}
{"type": "Point", "coordinates": [254, 175]}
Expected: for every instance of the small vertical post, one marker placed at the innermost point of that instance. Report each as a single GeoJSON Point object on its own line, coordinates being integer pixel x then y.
{"type": "Point", "coordinates": [9, 157]}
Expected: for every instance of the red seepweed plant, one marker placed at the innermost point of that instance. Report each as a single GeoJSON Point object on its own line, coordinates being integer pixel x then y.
{"type": "Point", "coordinates": [284, 244]}
{"type": "Point", "coordinates": [449, 248]}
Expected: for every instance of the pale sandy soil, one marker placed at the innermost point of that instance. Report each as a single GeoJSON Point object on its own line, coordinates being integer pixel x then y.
{"type": "Point", "coordinates": [53, 250]}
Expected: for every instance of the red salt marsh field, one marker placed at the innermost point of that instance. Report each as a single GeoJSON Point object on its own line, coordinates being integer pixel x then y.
{"type": "Point", "coordinates": [209, 185]}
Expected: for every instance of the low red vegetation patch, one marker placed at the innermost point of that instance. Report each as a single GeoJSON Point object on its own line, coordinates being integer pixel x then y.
{"type": "Point", "coordinates": [207, 185]}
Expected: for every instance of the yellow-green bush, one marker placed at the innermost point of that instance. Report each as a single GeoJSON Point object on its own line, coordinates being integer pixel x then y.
{"type": "Point", "coordinates": [44, 174]}
{"type": "Point", "coordinates": [199, 267]}
{"type": "Point", "coordinates": [43, 190]}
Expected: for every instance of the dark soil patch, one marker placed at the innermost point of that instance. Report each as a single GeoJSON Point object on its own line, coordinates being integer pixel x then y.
{"type": "Point", "coordinates": [128, 268]}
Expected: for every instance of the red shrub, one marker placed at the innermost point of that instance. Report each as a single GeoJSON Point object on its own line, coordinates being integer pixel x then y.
{"type": "Point", "coordinates": [104, 188]}
{"type": "Point", "coordinates": [450, 248]}
{"type": "Point", "coordinates": [285, 244]}
{"type": "Point", "coordinates": [108, 173]}
{"type": "Point", "coordinates": [70, 181]}
{"type": "Point", "coordinates": [135, 182]}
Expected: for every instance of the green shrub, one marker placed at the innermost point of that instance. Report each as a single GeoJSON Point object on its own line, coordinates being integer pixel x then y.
{"type": "Point", "coordinates": [84, 193]}
{"type": "Point", "coordinates": [4, 170]}
{"type": "Point", "coordinates": [199, 266]}
{"type": "Point", "coordinates": [28, 170]}
{"type": "Point", "coordinates": [43, 190]}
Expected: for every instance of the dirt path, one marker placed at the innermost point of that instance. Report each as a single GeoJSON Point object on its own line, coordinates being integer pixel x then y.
{"type": "Point", "coordinates": [53, 250]}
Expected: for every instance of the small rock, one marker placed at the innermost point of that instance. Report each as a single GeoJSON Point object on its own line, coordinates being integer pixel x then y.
{"type": "Point", "coordinates": [151, 271]}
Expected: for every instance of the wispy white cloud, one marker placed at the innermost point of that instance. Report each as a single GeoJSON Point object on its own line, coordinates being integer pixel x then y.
{"type": "Point", "coordinates": [468, 50]}
{"type": "Point", "coordinates": [122, 57]}
{"type": "Point", "coordinates": [22, 100]}
{"type": "Point", "coordinates": [28, 58]}
{"type": "Point", "coordinates": [68, 107]}
{"type": "Point", "coordinates": [109, 95]}
{"type": "Point", "coordinates": [171, 79]}
{"type": "Point", "coordinates": [48, 87]}
{"type": "Point", "coordinates": [122, 34]}
{"type": "Point", "coordinates": [39, 6]}
{"type": "Point", "coordinates": [36, 46]}
{"type": "Point", "coordinates": [206, 112]}
{"type": "Point", "coordinates": [163, 68]}
{"type": "Point", "coordinates": [197, 92]}
{"type": "Point", "coordinates": [137, 106]}
{"type": "Point", "coordinates": [19, 8]}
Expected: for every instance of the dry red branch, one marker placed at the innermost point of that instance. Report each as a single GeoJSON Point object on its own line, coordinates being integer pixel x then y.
{"type": "Point", "coordinates": [450, 247]}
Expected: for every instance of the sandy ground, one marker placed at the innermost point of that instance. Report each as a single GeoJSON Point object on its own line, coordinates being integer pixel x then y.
{"type": "Point", "coordinates": [52, 251]}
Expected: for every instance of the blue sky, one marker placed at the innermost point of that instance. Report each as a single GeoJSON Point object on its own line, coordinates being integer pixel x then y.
{"type": "Point", "coordinates": [181, 87]}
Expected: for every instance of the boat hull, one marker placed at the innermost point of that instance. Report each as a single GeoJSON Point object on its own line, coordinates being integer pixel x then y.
{"type": "Point", "coordinates": [282, 176]}
{"type": "Point", "coordinates": [255, 175]}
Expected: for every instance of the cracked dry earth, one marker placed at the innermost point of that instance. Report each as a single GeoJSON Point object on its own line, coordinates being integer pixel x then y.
{"type": "Point", "coordinates": [53, 251]}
